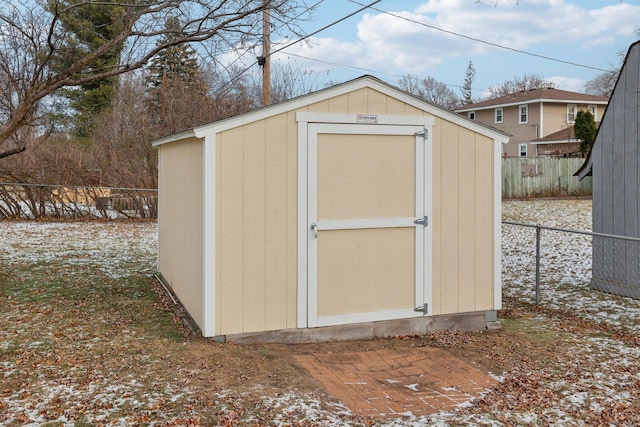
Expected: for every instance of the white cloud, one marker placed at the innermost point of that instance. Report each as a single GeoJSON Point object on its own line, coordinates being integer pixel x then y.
{"type": "Point", "coordinates": [568, 83]}
{"type": "Point", "coordinates": [419, 39]}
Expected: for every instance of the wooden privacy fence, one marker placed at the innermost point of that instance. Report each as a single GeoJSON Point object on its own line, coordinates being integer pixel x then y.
{"type": "Point", "coordinates": [543, 177]}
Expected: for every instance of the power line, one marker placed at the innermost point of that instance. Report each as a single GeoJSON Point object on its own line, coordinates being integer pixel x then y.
{"type": "Point", "coordinates": [369, 6]}
{"type": "Point", "coordinates": [376, 72]}
{"type": "Point", "coordinates": [237, 77]}
{"type": "Point", "coordinates": [484, 41]}
{"type": "Point", "coordinates": [283, 24]}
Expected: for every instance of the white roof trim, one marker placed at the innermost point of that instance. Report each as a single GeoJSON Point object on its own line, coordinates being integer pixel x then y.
{"type": "Point", "coordinates": [321, 95]}
{"type": "Point", "coordinates": [175, 137]}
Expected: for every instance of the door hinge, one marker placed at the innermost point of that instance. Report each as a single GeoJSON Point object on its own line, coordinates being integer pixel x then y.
{"type": "Point", "coordinates": [424, 309]}
{"type": "Point", "coordinates": [424, 133]}
{"type": "Point", "coordinates": [424, 221]}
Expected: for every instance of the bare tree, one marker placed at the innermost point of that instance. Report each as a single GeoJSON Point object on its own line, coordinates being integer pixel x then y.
{"type": "Point", "coordinates": [602, 84]}
{"type": "Point", "coordinates": [288, 82]}
{"type": "Point", "coordinates": [518, 84]}
{"type": "Point", "coordinates": [32, 38]}
{"type": "Point", "coordinates": [430, 90]}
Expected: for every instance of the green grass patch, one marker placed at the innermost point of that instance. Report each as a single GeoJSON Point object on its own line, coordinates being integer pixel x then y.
{"type": "Point", "coordinates": [72, 295]}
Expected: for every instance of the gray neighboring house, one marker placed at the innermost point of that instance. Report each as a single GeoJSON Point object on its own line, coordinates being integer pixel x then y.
{"type": "Point", "coordinates": [531, 116]}
{"type": "Point", "coordinates": [614, 164]}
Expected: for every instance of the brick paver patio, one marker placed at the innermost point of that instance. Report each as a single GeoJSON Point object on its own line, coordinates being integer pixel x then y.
{"type": "Point", "coordinates": [397, 382]}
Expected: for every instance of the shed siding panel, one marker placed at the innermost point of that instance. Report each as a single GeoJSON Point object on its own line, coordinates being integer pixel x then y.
{"type": "Point", "coordinates": [631, 169]}
{"type": "Point", "coordinates": [231, 237]}
{"type": "Point", "coordinates": [339, 104]}
{"type": "Point", "coordinates": [413, 111]}
{"type": "Point", "coordinates": [276, 223]}
{"type": "Point", "coordinates": [436, 272]}
{"type": "Point", "coordinates": [377, 102]}
{"type": "Point", "coordinates": [484, 223]}
{"type": "Point", "coordinates": [450, 272]}
{"type": "Point", "coordinates": [180, 226]}
{"type": "Point", "coordinates": [255, 226]}
{"type": "Point", "coordinates": [466, 204]}
{"type": "Point", "coordinates": [319, 107]}
{"type": "Point", "coordinates": [598, 181]}
{"type": "Point", "coordinates": [358, 101]}
{"type": "Point", "coordinates": [396, 107]}
{"type": "Point", "coordinates": [462, 220]}
{"type": "Point", "coordinates": [607, 172]}
{"type": "Point", "coordinates": [618, 169]}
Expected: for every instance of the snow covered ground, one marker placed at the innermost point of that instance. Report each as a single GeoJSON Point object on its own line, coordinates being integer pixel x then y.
{"type": "Point", "coordinates": [597, 373]}
{"type": "Point", "coordinates": [565, 261]}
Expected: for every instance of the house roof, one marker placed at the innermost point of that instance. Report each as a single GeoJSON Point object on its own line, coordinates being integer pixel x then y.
{"type": "Point", "coordinates": [535, 95]}
{"type": "Point", "coordinates": [565, 135]}
{"type": "Point", "coordinates": [330, 92]}
{"type": "Point", "coordinates": [587, 167]}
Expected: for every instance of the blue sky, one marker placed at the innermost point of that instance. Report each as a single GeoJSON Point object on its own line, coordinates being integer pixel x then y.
{"type": "Point", "coordinates": [590, 33]}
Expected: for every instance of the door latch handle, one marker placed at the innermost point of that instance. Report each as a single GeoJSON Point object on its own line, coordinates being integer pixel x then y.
{"type": "Point", "coordinates": [314, 227]}
{"type": "Point", "coordinates": [424, 221]}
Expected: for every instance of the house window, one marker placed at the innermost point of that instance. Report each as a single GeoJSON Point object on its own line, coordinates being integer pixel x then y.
{"type": "Point", "coordinates": [571, 113]}
{"type": "Point", "coordinates": [471, 115]}
{"type": "Point", "coordinates": [522, 148]}
{"type": "Point", "coordinates": [499, 115]}
{"type": "Point", "coordinates": [593, 109]}
{"type": "Point", "coordinates": [524, 114]}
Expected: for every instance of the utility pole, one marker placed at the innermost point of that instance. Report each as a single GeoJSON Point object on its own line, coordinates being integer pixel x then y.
{"type": "Point", "coordinates": [264, 60]}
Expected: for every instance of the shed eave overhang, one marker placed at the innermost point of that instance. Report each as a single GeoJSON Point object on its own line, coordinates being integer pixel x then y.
{"type": "Point", "coordinates": [190, 133]}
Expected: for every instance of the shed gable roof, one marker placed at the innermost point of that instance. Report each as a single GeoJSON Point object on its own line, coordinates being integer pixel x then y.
{"type": "Point", "coordinates": [607, 119]}
{"type": "Point", "coordinates": [330, 92]}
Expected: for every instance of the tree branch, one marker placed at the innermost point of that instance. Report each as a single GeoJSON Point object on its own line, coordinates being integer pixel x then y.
{"type": "Point", "coordinates": [11, 152]}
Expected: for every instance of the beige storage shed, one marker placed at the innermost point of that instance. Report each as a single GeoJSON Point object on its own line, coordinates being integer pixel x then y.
{"type": "Point", "coordinates": [351, 212]}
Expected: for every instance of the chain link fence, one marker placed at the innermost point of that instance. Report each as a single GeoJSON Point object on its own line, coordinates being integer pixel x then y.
{"type": "Point", "coordinates": [536, 259]}
{"type": "Point", "coordinates": [540, 262]}
{"type": "Point", "coordinates": [41, 201]}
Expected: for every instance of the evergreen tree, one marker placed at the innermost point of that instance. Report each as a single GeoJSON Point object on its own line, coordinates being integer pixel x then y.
{"type": "Point", "coordinates": [86, 29]}
{"type": "Point", "coordinates": [470, 74]}
{"type": "Point", "coordinates": [178, 62]}
{"type": "Point", "coordinates": [584, 129]}
{"type": "Point", "coordinates": [173, 72]}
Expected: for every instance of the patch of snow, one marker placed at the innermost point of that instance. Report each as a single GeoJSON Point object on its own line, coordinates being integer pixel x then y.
{"type": "Point", "coordinates": [306, 408]}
